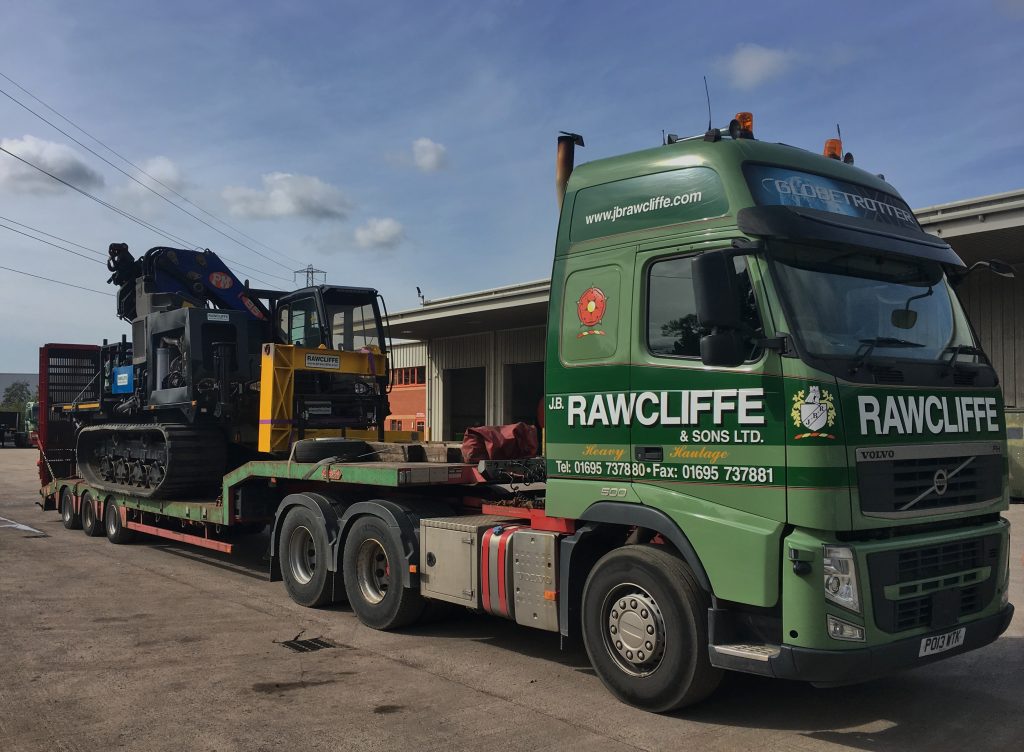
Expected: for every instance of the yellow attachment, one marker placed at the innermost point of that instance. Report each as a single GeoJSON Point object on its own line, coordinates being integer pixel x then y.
{"type": "Point", "coordinates": [277, 385]}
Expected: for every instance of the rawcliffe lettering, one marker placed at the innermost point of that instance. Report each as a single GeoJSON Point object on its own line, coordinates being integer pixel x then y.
{"type": "Point", "coordinates": [676, 408]}
{"type": "Point", "coordinates": [933, 414]}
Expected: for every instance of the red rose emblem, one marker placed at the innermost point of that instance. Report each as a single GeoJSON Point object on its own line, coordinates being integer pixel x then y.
{"type": "Point", "coordinates": [591, 306]}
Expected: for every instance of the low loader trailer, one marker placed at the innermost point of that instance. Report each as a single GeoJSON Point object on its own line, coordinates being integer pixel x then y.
{"type": "Point", "coordinates": [772, 441]}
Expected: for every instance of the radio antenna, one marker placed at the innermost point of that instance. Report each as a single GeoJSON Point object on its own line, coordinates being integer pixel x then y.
{"type": "Point", "coordinates": [707, 95]}
{"type": "Point", "coordinates": [839, 133]}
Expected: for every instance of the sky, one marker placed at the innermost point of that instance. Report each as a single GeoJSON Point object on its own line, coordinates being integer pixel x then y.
{"type": "Point", "coordinates": [407, 144]}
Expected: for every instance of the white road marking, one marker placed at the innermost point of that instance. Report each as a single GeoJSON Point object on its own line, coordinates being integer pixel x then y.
{"type": "Point", "coordinates": [19, 526]}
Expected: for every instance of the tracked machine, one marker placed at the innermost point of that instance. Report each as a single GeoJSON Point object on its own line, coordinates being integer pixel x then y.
{"type": "Point", "coordinates": [218, 373]}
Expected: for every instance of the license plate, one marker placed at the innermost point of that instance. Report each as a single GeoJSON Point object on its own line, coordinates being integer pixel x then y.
{"type": "Point", "coordinates": [943, 642]}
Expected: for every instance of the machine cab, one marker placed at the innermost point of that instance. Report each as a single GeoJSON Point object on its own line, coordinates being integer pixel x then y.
{"type": "Point", "coordinates": [330, 317]}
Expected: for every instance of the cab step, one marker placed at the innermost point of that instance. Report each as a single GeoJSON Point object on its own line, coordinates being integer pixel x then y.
{"type": "Point", "coordinates": [749, 658]}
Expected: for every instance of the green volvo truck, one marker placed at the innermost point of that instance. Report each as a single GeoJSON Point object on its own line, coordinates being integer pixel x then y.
{"type": "Point", "coordinates": [772, 444]}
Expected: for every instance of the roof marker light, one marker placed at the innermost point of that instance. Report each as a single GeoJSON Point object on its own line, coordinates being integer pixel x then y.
{"type": "Point", "coordinates": [742, 126]}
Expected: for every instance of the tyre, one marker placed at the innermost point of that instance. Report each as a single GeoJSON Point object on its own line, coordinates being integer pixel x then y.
{"type": "Point", "coordinates": [645, 629]}
{"type": "Point", "coordinates": [91, 523]}
{"type": "Point", "coordinates": [346, 450]}
{"type": "Point", "coordinates": [373, 559]}
{"type": "Point", "coordinates": [72, 520]}
{"type": "Point", "coordinates": [305, 553]}
{"type": "Point", "coordinates": [116, 531]}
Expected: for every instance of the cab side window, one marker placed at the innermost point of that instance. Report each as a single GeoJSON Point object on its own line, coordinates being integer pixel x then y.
{"type": "Point", "coordinates": [672, 327]}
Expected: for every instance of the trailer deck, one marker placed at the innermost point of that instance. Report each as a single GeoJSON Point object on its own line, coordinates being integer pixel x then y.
{"type": "Point", "coordinates": [214, 517]}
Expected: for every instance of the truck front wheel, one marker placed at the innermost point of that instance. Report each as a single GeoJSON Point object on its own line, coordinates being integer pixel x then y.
{"type": "Point", "coordinates": [645, 629]}
{"type": "Point", "coordinates": [304, 556]}
{"type": "Point", "coordinates": [373, 577]}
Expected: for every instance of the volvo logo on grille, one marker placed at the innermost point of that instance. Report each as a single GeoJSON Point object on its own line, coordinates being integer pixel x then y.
{"type": "Point", "coordinates": [940, 481]}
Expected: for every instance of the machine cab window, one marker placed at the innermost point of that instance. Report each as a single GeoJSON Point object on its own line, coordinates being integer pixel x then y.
{"type": "Point", "coordinates": [299, 323]}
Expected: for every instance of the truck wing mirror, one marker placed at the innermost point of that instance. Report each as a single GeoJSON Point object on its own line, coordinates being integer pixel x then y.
{"type": "Point", "coordinates": [725, 348]}
{"type": "Point", "coordinates": [996, 266]}
{"type": "Point", "coordinates": [1003, 269]}
{"type": "Point", "coordinates": [716, 291]}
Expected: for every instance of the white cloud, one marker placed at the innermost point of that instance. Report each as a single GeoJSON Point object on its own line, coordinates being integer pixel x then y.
{"type": "Point", "coordinates": [380, 233]}
{"type": "Point", "coordinates": [57, 159]}
{"type": "Point", "coordinates": [751, 64]}
{"type": "Point", "coordinates": [163, 170]}
{"type": "Point", "coordinates": [428, 156]}
{"type": "Point", "coordinates": [286, 195]}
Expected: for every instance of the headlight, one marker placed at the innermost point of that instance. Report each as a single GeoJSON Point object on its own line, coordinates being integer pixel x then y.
{"type": "Point", "coordinates": [841, 577]}
{"type": "Point", "coordinates": [362, 388]}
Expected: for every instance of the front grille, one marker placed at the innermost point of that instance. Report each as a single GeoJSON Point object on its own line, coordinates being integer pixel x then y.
{"type": "Point", "coordinates": [936, 584]}
{"type": "Point", "coordinates": [910, 485]}
{"type": "Point", "coordinates": [944, 559]}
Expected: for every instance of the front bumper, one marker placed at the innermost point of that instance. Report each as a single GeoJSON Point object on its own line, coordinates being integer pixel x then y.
{"type": "Point", "coordinates": [835, 667]}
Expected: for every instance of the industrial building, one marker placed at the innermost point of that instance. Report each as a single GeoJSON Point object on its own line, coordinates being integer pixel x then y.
{"type": "Point", "coordinates": [482, 353]}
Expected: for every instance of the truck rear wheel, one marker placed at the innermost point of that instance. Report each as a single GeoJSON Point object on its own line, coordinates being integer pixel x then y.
{"type": "Point", "coordinates": [116, 532]}
{"type": "Point", "coordinates": [91, 524]}
{"type": "Point", "coordinates": [72, 520]}
{"type": "Point", "coordinates": [304, 556]}
{"type": "Point", "coordinates": [373, 560]}
{"type": "Point", "coordinates": [645, 629]}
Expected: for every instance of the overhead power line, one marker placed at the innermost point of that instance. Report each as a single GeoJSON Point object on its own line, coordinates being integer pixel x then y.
{"type": "Point", "coordinates": [55, 237]}
{"type": "Point", "coordinates": [127, 215]}
{"type": "Point", "coordinates": [144, 172]}
{"type": "Point", "coordinates": [56, 281]}
{"type": "Point", "coordinates": [54, 245]}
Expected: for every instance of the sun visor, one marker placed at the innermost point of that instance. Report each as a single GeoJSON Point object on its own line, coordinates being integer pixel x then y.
{"type": "Point", "coordinates": [803, 225]}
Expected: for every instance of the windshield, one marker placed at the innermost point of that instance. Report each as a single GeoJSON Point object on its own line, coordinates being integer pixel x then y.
{"type": "Point", "coordinates": [855, 303]}
{"type": "Point", "coordinates": [353, 324]}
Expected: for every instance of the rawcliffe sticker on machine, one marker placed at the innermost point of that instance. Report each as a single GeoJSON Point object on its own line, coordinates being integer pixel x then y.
{"type": "Point", "coordinates": [326, 362]}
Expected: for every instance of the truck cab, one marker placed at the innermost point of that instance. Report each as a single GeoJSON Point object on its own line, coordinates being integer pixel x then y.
{"type": "Point", "coordinates": [756, 355]}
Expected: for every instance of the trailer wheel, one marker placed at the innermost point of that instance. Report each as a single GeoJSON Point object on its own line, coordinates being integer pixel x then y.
{"type": "Point", "coordinates": [373, 559]}
{"type": "Point", "coordinates": [72, 520]}
{"type": "Point", "coordinates": [304, 556]}
{"type": "Point", "coordinates": [645, 629]}
{"type": "Point", "coordinates": [116, 532]}
{"type": "Point", "coordinates": [91, 523]}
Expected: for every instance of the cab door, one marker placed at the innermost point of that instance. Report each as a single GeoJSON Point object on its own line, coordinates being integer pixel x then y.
{"type": "Point", "coordinates": [712, 434]}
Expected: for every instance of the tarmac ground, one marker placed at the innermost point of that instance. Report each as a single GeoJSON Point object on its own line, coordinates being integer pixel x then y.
{"type": "Point", "coordinates": [160, 646]}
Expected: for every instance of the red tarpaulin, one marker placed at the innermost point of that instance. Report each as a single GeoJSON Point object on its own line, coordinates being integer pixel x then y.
{"type": "Point", "coordinates": [513, 442]}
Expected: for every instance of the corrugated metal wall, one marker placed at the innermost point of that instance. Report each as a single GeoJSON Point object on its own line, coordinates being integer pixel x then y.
{"type": "Point", "coordinates": [409, 355]}
{"type": "Point", "coordinates": [490, 350]}
{"type": "Point", "coordinates": [995, 306]}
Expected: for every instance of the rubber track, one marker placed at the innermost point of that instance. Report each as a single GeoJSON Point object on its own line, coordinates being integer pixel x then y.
{"type": "Point", "coordinates": [194, 467]}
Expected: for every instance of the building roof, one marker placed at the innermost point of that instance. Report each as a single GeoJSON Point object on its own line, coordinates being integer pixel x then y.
{"type": "Point", "coordinates": [508, 307]}
{"type": "Point", "coordinates": [980, 228]}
